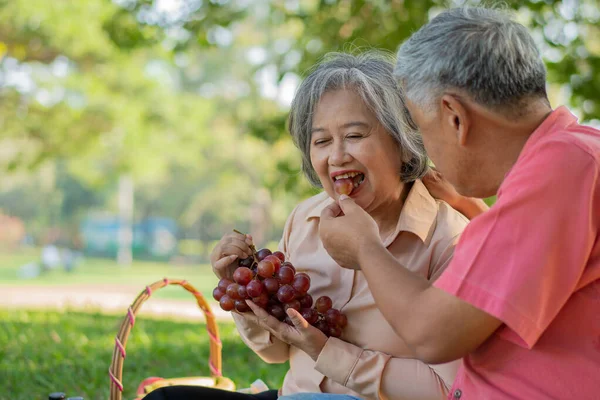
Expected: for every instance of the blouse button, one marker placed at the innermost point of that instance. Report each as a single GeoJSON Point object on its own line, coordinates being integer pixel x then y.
{"type": "Point", "coordinates": [457, 394]}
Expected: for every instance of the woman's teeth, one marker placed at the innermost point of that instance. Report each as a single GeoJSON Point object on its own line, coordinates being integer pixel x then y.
{"type": "Point", "coordinates": [347, 175]}
{"type": "Point", "coordinates": [344, 184]}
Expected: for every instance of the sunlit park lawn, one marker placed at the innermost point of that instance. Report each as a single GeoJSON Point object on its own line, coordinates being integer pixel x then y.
{"type": "Point", "coordinates": [106, 271]}
{"type": "Point", "coordinates": [42, 352]}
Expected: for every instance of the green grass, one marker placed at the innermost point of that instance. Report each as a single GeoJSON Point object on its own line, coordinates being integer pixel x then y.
{"type": "Point", "coordinates": [42, 352]}
{"type": "Point", "coordinates": [105, 271]}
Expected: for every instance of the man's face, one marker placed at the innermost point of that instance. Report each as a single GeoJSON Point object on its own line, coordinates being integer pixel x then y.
{"type": "Point", "coordinates": [441, 144]}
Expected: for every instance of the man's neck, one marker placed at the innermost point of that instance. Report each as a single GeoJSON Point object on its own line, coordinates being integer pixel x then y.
{"type": "Point", "coordinates": [507, 138]}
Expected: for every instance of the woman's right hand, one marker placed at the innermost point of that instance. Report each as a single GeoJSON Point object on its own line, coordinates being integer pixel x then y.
{"type": "Point", "coordinates": [231, 247]}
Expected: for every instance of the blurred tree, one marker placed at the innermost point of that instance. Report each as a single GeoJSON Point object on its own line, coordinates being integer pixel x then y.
{"type": "Point", "coordinates": [190, 97]}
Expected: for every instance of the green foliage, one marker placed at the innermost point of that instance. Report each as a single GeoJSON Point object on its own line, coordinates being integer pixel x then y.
{"type": "Point", "coordinates": [184, 96]}
{"type": "Point", "coordinates": [44, 352]}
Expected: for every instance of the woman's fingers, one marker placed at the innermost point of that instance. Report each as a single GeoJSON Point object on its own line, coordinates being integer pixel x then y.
{"type": "Point", "coordinates": [224, 262]}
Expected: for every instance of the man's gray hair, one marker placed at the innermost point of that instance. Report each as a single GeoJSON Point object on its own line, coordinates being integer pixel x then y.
{"type": "Point", "coordinates": [479, 51]}
{"type": "Point", "coordinates": [370, 75]}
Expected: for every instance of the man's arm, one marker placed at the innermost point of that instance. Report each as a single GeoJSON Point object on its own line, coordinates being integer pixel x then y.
{"type": "Point", "coordinates": [440, 327]}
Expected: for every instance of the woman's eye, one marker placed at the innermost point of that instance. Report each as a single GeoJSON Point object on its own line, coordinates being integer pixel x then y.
{"type": "Point", "coordinates": [320, 141]}
{"type": "Point", "coordinates": [354, 136]}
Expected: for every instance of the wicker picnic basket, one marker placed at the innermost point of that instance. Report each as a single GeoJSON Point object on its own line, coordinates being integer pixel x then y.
{"type": "Point", "coordinates": [216, 379]}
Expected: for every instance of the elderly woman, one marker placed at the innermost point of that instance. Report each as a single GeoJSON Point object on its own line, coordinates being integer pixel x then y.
{"type": "Point", "coordinates": [345, 121]}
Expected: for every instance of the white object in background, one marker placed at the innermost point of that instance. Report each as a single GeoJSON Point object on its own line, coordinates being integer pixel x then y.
{"type": "Point", "coordinates": [51, 256]}
{"type": "Point", "coordinates": [29, 271]}
{"type": "Point", "coordinates": [256, 387]}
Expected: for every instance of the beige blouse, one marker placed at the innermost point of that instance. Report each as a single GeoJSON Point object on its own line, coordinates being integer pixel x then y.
{"type": "Point", "coordinates": [369, 360]}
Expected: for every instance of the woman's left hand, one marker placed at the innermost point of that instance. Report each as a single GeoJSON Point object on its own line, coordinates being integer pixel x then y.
{"type": "Point", "coordinates": [302, 335]}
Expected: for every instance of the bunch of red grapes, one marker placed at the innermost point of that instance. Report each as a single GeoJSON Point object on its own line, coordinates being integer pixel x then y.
{"type": "Point", "coordinates": [273, 284]}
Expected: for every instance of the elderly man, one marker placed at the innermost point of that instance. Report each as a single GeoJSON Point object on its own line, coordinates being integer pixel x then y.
{"type": "Point", "coordinates": [520, 300]}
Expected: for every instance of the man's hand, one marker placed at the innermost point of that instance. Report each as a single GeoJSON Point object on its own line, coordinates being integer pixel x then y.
{"type": "Point", "coordinates": [302, 335]}
{"type": "Point", "coordinates": [344, 229]}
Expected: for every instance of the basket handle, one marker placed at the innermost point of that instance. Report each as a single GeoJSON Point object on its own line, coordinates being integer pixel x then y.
{"type": "Point", "coordinates": [116, 367]}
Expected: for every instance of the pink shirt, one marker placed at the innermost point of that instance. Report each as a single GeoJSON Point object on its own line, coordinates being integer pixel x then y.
{"type": "Point", "coordinates": [533, 261]}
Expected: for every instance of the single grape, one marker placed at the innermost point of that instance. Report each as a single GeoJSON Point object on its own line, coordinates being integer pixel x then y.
{"type": "Point", "coordinates": [262, 253]}
{"type": "Point", "coordinates": [279, 255]}
{"type": "Point", "coordinates": [247, 262]}
{"type": "Point", "coordinates": [285, 275]}
{"type": "Point", "coordinates": [266, 269]}
{"type": "Point", "coordinates": [277, 311]}
{"type": "Point", "coordinates": [323, 304]}
{"type": "Point", "coordinates": [227, 303]}
{"type": "Point", "coordinates": [223, 283]}
{"type": "Point", "coordinates": [271, 284]}
{"type": "Point", "coordinates": [301, 283]}
{"type": "Point", "coordinates": [306, 301]}
{"type": "Point", "coordinates": [241, 306]}
{"type": "Point", "coordinates": [289, 264]}
{"type": "Point", "coordinates": [335, 331]}
{"type": "Point", "coordinates": [322, 326]}
{"type": "Point", "coordinates": [344, 186]}
{"type": "Point", "coordinates": [255, 288]}
{"type": "Point", "coordinates": [295, 304]}
{"type": "Point", "coordinates": [275, 261]}
{"type": "Point", "coordinates": [232, 291]}
{"type": "Point", "coordinates": [243, 275]}
{"type": "Point", "coordinates": [333, 317]}
{"type": "Point", "coordinates": [342, 321]}
{"type": "Point", "coordinates": [242, 293]}
{"type": "Point", "coordinates": [285, 294]}
{"type": "Point", "coordinates": [262, 301]}
{"type": "Point", "coordinates": [310, 315]}
{"type": "Point", "coordinates": [218, 293]}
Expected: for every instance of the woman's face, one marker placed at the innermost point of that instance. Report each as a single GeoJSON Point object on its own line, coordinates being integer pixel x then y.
{"type": "Point", "coordinates": [348, 142]}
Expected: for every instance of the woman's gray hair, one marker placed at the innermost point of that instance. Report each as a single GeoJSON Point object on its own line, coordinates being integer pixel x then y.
{"type": "Point", "coordinates": [370, 75]}
{"type": "Point", "coordinates": [480, 51]}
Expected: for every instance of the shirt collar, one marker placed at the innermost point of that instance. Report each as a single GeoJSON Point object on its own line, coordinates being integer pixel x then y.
{"type": "Point", "coordinates": [417, 216]}
{"type": "Point", "coordinates": [555, 121]}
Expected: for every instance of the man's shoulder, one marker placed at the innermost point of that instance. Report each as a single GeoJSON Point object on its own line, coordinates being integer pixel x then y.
{"type": "Point", "coordinates": [571, 141]}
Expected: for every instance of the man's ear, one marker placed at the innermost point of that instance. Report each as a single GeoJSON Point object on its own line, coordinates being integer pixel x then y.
{"type": "Point", "coordinates": [455, 117]}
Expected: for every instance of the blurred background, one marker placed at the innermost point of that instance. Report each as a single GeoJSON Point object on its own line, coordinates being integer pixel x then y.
{"type": "Point", "coordinates": [135, 133]}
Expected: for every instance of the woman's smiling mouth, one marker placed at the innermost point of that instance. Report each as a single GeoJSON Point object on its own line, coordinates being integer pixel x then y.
{"type": "Point", "coordinates": [347, 182]}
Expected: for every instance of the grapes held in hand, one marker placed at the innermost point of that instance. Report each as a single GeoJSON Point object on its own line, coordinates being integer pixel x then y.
{"type": "Point", "coordinates": [272, 283]}
{"type": "Point", "coordinates": [301, 283]}
{"type": "Point", "coordinates": [218, 293]}
{"type": "Point", "coordinates": [247, 262]}
{"type": "Point", "coordinates": [279, 255]}
{"type": "Point", "coordinates": [232, 291]}
{"type": "Point", "coordinates": [223, 283]}
{"type": "Point", "coordinates": [286, 294]}
{"type": "Point", "coordinates": [323, 304]}
{"type": "Point", "coordinates": [255, 288]}
{"type": "Point", "coordinates": [243, 275]}
{"type": "Point", "coordinates": [262, 254]}
{"type": "Point", "coordinates": [241, 306]}
{"type": "Point", "coordinates": [295, 304]}
{"type": "Point", "coordinates": [227, 303]}
{"type": "Point", "coordinates": [266, 269]}
{"type": "Point", "coordinates": [285, 275]}
{"type": "Point", "coordinates": [306, 301]}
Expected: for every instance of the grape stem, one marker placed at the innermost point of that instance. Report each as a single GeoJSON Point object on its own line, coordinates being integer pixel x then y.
{"type": "Point", "coordinates": [254, 252]}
